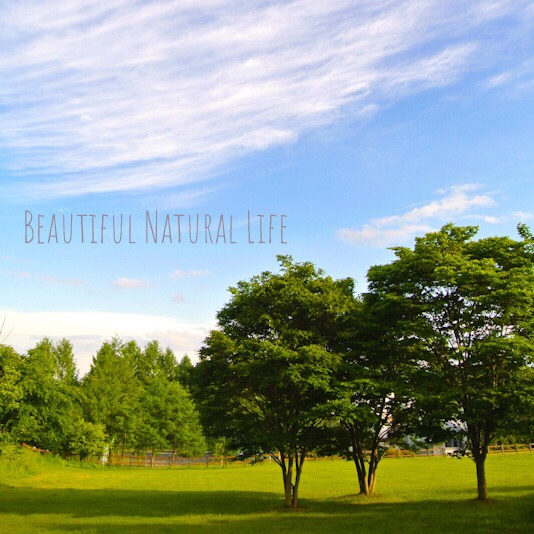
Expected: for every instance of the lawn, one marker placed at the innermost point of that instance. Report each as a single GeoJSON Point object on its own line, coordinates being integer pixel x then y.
{"type": "Point", "coordinates": [414, 495]}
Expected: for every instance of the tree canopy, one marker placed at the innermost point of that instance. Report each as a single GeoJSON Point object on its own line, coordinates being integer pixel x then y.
{"type": "Point", "coordinates": [264, 374]}
{"type": "Point", "coordinates": [464, 310]}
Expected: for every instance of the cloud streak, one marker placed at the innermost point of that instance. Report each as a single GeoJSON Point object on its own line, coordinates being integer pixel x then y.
{"type": "Point", "coordinates": [396, 229]}
{"type": "Point", "coordinates": [48, 279]}
{"type": "Point", "coordinates": [191, 273]}
{"type": "Point", "coordinates": [132, 95]}
{"type": "Point", "coordinates": [130, 283]}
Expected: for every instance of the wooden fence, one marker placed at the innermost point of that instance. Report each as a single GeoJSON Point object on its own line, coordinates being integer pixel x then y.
{"type": "Point", "coordinates": [169, 460]}
{"type": "Point", "coordinates": [42, 452]}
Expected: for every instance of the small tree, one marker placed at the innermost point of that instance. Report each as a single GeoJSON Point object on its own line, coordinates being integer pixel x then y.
{"type": "Point", "coordinates": [112, 392]}
{"type": "Point", "coordinates": [168, 418]}
{"type": "Point", "coordinates": [86, 439]}
{"type": "Point", "coordinates": [184, 371]}
{"type": "Point", "coordinates": [182, 429]}
{"type": "Point", "coordinates": [166, 413]}
{"type": "Point", "coordinates": [50, 396]}
{"type": "Point", "coordinates": [372, 390]}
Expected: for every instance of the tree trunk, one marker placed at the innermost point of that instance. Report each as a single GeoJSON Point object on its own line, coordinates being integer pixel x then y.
{"type": "Point", "coordinates": [291, 490]}
{"type": "Point", "coordinates": [359, 462]}
{"type": "Point", "coordinates": [481, 477]}
{"type": "Point", "coordinates": [371, 473]}
{"type": "Point", "coordinates": [287, 475]}
{"type": "Point", "coordinates": [287, 492]}
{"type": "Point", "coordinates": [288, 489]}
{"type": "Point", "coordinates": [300, 458]}
{"type": "Point", "coordinates": [295, 496]}
{"type": "Point", "coordinates": [364, 486]}
{"type": "Point", "coordinates": [371, 482]}
{"type": "Point", "coordinates": [478, 441]}
{"type": "Point", "coordinates": [358, 457]}
{"type": "Point", "coordinates": [365, 469]}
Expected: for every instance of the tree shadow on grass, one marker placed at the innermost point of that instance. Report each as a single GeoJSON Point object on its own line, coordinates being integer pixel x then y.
{"type": "Point", "coordinates": [107, 511]}
{"type": "Point", "coordinates": [495, 492]}
{"type": "Point", "coordinates": [133, 503]}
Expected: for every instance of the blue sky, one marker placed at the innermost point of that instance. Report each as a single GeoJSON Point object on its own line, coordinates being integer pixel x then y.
{"type": "Point", "coordinates": [365, 122]}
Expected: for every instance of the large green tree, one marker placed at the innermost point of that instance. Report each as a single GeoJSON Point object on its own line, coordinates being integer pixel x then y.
{"type": "Point", "coordinates": [265, 374]}
{"type": "Point", "coordinates": [465, 311]}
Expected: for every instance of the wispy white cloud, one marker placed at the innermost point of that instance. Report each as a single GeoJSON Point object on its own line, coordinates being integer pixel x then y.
{"type": "Point", "coordinates": [49, 279]}
{"type": "Point", "coordinates": [523, 215]}
{"type": "Point", "coordinates": [519, 80]}
{"type": "Point", "coordinates": [130, 283]}
{"type": "Point", "coordinates": [191, 273]}
{"type": "Point", "coordinates": [62, 281]}
{"type": "Point", "coordinates": [371, 235]}
{"type": "Point", "coordinates": [200, 273]}
{"type": "Point", "coordinates": [397, 229]}
{"type": "Point", "coordinates": [490, 219]}
{"type": "Point", "coordinates": [133, 95]}
{"type": "Point", "coordinates": [178, 273]}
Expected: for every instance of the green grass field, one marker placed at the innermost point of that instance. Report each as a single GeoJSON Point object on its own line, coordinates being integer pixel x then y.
{"type": "Point", "coordinates": [413, 496]}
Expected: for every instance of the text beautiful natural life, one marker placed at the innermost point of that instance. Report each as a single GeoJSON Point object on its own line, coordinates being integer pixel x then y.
{"type": "Point", "coordinates": [159, 228]}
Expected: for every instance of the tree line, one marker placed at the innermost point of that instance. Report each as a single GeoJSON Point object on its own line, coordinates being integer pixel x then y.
{"type": "Point", "coordinates": [132, 399]}
{"type": "Point", "coordinates": [438, 346]}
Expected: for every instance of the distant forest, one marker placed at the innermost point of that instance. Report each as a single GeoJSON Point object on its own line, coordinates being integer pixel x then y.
{"type": "Point", "coordinates": [132, 399]}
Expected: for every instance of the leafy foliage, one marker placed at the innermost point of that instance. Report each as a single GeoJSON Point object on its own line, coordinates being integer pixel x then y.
{"type": "Point", "coordinates": [50, 403]}
{"type": "Point", "coordinates": [112, 392]}
{"type": "Point", "coordinates": [464, 311]}
{"type": "Point", "coordinates": [11, 390]}
{"type": "Point", "coordinates": [130, 399]}
{"type": "Point", "coordinates": [263, 377]}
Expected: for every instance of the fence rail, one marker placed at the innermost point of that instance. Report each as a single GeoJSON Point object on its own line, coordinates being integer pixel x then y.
{"type": "Point", "coordinates": [42, 452]}
{"type": "Point", "coordinates": [170, 460]}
